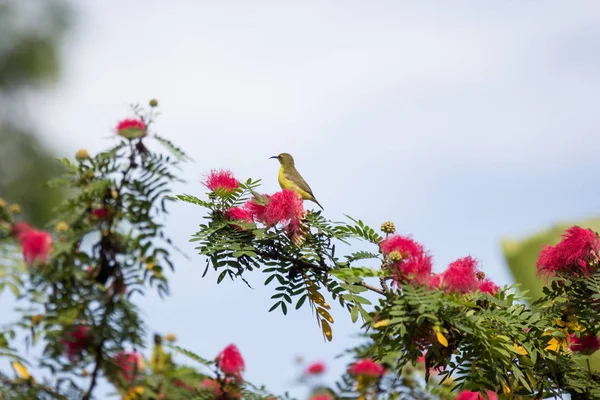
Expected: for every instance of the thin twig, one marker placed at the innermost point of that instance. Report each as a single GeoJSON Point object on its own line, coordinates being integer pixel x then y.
{"type": "Point", "coordinates": [384, 285]}
{"type": "Point", "coordinates": [372, 288]}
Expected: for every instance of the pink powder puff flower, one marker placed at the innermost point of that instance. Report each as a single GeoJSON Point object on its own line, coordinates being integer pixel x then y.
{"type": "Point", "coordinates": [460, 276]}
{"type": "Point", "coordinates": [75, 341]}
{"type": "Point", "coordinates": [469, 395]}
{"type": "Point", "coordinates": [587, 344]}
{"type": "Point", "coordinates": [316, 368]}
{"type": "Point", "coordinates": [36, 246]}
{"type": "Point", "coordinates": [230, 360]}
{"type": "Point", "coordinates": [572, 255]}
{"type": "Point", "coordinates": [131, 128]}
{"type": "Point", "coordinates": [221, 179]}
{"type": "Point", "coordinates": [366, 368]}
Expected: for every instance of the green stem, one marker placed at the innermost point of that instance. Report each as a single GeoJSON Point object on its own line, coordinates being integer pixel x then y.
{"type": "Point", "coordinates": [588, 364]}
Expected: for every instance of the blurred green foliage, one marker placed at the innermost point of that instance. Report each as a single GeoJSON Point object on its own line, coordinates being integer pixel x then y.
{"type": "Point", "coordinates": [30, 35]}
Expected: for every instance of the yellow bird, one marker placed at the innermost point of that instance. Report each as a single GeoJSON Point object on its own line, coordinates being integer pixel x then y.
{"type": "Point", "coordinates": [289, 178]}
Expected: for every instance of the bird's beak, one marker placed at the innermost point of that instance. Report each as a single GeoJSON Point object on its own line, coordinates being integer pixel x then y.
{"type": "Point", "coordinates": [273, 157]}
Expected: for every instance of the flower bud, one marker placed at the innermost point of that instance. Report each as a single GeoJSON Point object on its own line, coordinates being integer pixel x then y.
{"type": "Point", "coordinates": [388, 227]}
{"type": "Point", "coordinates": [82, 155]}
{"type": "Point", "coordinates": [15, 208]}
{"type": "Point", "coordinates": [153, 103]}
{"type": "Point", "coordinates": [35, 319]}
{"type": "Point", "coordinates": [89, 174]}
{"type": "Point", "coordinates": [170, 337]}
{"type": "Point", "coordinates": [62, 226]}
{"type": "Point", "coordinates": [2, 203]}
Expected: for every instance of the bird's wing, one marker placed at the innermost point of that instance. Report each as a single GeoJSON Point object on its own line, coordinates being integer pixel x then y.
{"type": "Point", "coordinates": [299, 181]}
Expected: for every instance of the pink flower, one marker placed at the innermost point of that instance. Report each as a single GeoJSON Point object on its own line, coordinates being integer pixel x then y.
{"type": "Point", "coordinates": [212, 385]}
{"type": "Point", "coordinates": [131, 128]}
{"type": "Point", "coordinates": [469, 395]}
{"type": "Point", "coordinates": [36, 246]}
{"type": "Point", "coordinates": [221, 179]}
{"type": "Point", "coordinates": [321, 397]}
{"type": "Point", "coordinates": [460, 276]}
{"type": "Point", "coordinates": [256, 210]}
{"type": "Point", "coordinates": [367, 368]}
{"type": "Point", "coordinates": [571, 255]}
{"type": "Point", "coordinates": [239, 213]}
{"type": "Point", "coordinates": [316, 368]}
{"type": "Point", "coordinates": [129, 364]}
{"type": "Point", "coordinates": [99, 213]}
{"type": "Point", "coordinates": [403, 244]}
{"type": "Point", "coordinates": [487, 286]}
{"type": "Point", "coordinates": [434, 281]}
{"type": "Point", "coordinates": [414, 264]}
{"type": "Point", "coordinates": [587, 344]}
{"type": "Point", "coordinates": [76, 340]}
{"type": "Point", "coordinates": [230, 360]}
{"type": "Point", "coordinates": [180, 384]}
{"type": "Point", "coordinates": [284, 208]}
{"type": "Point", "coordinates": [20, 228]}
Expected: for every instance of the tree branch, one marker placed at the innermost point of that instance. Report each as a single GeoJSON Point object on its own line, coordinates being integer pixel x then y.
{"type": "Point", "coordinates": [372, 288]}
{"type": "Point", "coordinates": [306, 265]}
{"type": "Point", "coordinates": [116, 290]}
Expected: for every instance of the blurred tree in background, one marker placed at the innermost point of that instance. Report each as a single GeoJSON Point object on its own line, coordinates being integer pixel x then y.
{"type": "Point", "coordinates": [30, 34]}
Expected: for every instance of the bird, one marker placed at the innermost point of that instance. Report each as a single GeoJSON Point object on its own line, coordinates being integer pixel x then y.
{"type": "Point", "coordinates": [289, 178]}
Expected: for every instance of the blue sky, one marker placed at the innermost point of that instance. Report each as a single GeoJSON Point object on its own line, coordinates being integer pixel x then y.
{"type": "Point", "coordinates": [462, 122]}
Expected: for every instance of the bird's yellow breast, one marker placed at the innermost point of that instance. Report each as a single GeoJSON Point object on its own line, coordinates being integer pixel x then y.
{"type": "Point", "coordinates": [286, 183]}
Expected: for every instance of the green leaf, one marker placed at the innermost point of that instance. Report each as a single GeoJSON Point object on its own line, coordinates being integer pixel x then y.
{"type": "Point", "coordinates": [354, 313]}
{"type": "Point", "coordinates": [301, 301]}
{"type": "Point", "coordinates": [275, 306]}
{"type": "Point", "coordinates": [269, 279]}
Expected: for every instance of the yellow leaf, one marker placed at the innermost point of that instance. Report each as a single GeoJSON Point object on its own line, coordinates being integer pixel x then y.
{"type": "Point", "coordinates": [20, 370]}
{"type": "Point", "coordinates": [383, 322]}
{"type": "Point", "coordinates": [575, 326]}
{"type": "Point", "coordinates": [553, 345]}
{"type": "Point", "coordinates": [560, 322]}
{"type": "Point", "coordinates": [134, 393]}
{"type": "Point", "coordinates": [505, 389]}
{"type": "Point", "coordinates": [520, 349]}
{"type": "Point", "coordinates": [320, 301]}
{"type": "Point", "coordinates": [326, 328]}
{"type": "Point", "coordinates": [325, 314]}
{"type": "Point", "coordinates": [441, 338]}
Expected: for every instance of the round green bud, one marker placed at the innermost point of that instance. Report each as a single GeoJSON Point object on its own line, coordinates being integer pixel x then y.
{"type": "Point", "coordinates": [82, 155]}
{"type": "Point", "coordinates": [388, 227]}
